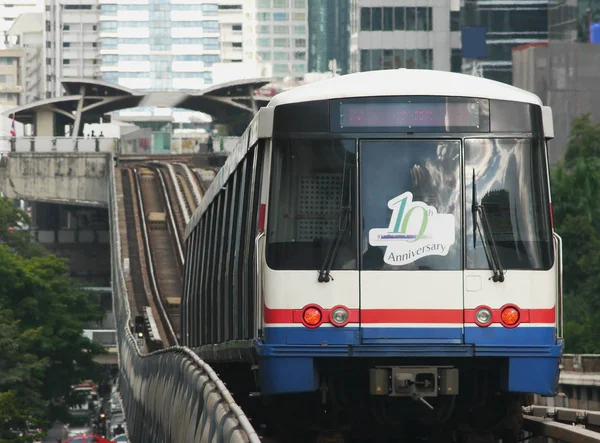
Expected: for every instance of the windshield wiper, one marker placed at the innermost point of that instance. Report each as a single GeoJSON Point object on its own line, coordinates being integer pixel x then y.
{"type": "Point", "coordinates": [343, 226]}
{"type": "Point", "coordinates": [489, 245]}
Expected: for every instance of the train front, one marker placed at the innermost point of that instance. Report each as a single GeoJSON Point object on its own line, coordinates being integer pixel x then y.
{"type": "Point", "coordinates": [410, 249]}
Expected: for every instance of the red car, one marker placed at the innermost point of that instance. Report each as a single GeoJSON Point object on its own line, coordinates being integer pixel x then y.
{"type": "Point", "coordinates": [87, 438]}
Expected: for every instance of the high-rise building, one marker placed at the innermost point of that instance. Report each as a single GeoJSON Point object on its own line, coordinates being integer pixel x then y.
{"type": "Point", "coordinates": [282, 35]}
{"type": "Point", "coordinates": [569, 20]}
{"type": "Point", "coordinates": [237, 43]}
{"type": "Point", "coordinates": [391, 34]}
{"type": "Point", "coordinates": [329, 35]}
{"type": "Point", "coordinates": [508, 24]}
{"type": "Point", "coordinates": [27, 33]}
{"type": "Point", "coordinates": [11, 88]}
{"type": "Point", "coordinates": [11, 9]}
{"type": "Point", "coordinates": [71, 36]}
{"type": "Point", "coordinates": [159, 44]}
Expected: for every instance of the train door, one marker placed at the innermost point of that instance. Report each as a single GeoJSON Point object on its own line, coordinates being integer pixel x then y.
{"type": "Point", "coordinates": [411, 282]}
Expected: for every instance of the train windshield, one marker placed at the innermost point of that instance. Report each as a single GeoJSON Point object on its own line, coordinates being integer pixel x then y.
{"type": "Point", "coordinates": [511, 184]}
{"type": "Point", "coordinates": [412, 215]}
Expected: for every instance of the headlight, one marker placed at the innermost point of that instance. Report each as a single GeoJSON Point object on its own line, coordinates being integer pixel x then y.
{"type": "Point", "coordinates": [339, 316]}
{"type": "Point", "coordinates": [483, 316]}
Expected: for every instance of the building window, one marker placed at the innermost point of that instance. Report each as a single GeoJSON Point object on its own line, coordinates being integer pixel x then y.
{"type": "Point", "coordinates": [375, 59]}
{"type": "Point", "coordinates": [281, 3]}
{"type": "Point", "coordinates": [264, 3]}
{"type": "Point", "coordinates": [456, 60]}
{"type": "Point", "coordinates": [6, 78]}
{"type": "Point", "coordinates": [281, 29]}
{"type": "Point", "coordinates": [299, 3]}
{"type": "Point", "coordinates": [388, 19]}
{"type": "Point", "coordinates": [280, 69]}
{"type": "Point", "coordinates": [263, 29]}
{"type": "Point", "coordinates": [281, 42]}
{"type": "Point", "coordinates": [66, 44]}
{"type": "Point", "coordinates": [281, 56]}
{"type": "Point", "coordinates": [237, 44]}
{"type": "Point", "coordinates": [66, 28]}
{"type": "Point", "coordinates": [455, 20]}
{"type": "Point", "coordinates": [300, 29]}
{"type": "Point", "coordinates": [365, 19]}
{"type": "Point", "coordinates": [236, 27]}
{"type": "Point", "coordinates": [300, 43]}
{"type": "Point", "coordinates": [299, 16]}
{"type": "Point", "coordinates": [6, 60]}
{"type": "Point", "coordinates": [280, 16]}
{"type": "Point", "coordinates": [263, 16]}
{"type": "Point", "coordinates": [263, 55]}
{"type": "Point", "coordinates": [66, 61]}
{"type": "Point", "coordinates": [108, 26]}
{"type": "Point", "coordinates": [300, 55]}
{"type": "Point", "coordinates": [263, 42]}
{"type": "Point", "coordinates": [399, 19]}
{"type": "Point", "coordinates": [376, 19]}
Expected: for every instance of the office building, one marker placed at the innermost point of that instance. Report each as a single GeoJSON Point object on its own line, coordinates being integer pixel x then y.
{"type": "Point", "coordinates": [11, 9]}
{"type": "Point", "coordinates": [282, 35]}
{"type": "Point", "coordinates": [329, 36]}
{"type": "Point", "coordinates": [565, 76]}
{"type": "Point", "coordinates": [508, 24]}
{"type": "Point", "coordinates": [391, 34]}
{"type": "Point", "coordinates": [160, 44]}
{"type": "Point", "coordinates": [569, 20]}
{"type": "Point", "coordinates": [71, 37]}
{"type": "Point", "coordinates": [27, 33]}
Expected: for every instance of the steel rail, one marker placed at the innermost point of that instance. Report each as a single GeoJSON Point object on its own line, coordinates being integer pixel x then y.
{"type": "Point", "coordinates": [184, 209]}
{"type": "Point", "coordinates": [192, 181]}
{"type": "Point", "coordinates": [172, 222]}
{"type": "Point", "coordinates": [151, 268]}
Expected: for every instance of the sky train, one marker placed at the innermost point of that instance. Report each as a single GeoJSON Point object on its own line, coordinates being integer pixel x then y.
{"type": "Point", "coordinates": [385, 239]}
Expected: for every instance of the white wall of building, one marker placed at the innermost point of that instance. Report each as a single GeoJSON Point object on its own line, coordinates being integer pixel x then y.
{"type": "Point", "coordinates": [402, 46]}
{"type": "Point", "coordinates": [71, 36]}
{"type": "Point", "coordinates": [11, 9]}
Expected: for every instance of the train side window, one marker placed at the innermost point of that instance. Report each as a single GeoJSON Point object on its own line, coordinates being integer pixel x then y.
{"type": "Point", "coordinates": [206, 307]}
{"type": "Point", "coordinates": [217, 291]}
{"type": "Point", "coordinates": [234, 233]}
{"type": "Point", "coordinates": [201, 294]}
{"type": "Point", "coordinates": [239, 245]}
{"type": "Point", "coordinates": [194, 291]}
{"type": "Point", "coordinates": [252, 232]}
{"type": "Point", "coordinates": [188, 273]}
{"type": "Point", "coordinates": [246, 293]}
{"type": "Point", "coordinates": [232, 186]}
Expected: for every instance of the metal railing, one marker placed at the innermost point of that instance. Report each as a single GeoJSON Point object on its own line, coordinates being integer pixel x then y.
{"type": "Point", "coordinates": [569, 425]}
{"type": "Point", "coordinates": [169, 395]}
{"type": "Point", "coordinates": [59, 144]}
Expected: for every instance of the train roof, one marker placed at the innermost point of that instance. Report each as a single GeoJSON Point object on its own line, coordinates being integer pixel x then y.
{"type": "Point", "coordinates": [413, 82]}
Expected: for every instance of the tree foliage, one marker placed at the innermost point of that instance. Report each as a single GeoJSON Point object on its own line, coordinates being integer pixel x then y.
{"type": "Point", "coordinates": [576, 203]}
{"type": "Point", "coordinates": [42, 314]}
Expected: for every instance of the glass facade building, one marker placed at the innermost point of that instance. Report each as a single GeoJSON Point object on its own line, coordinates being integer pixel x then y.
{"type": "Point", "coordinates": [569, 20]}
{"type": "Point", "coordinates": [328, 35]}
{"type": "Point", "coordinates": [160, 45]}
{"type": "Point", "coordinates": [508, 24]}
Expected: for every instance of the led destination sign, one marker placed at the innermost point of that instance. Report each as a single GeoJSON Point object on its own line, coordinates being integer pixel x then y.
{"type": "Point", "coordinates": [438, 114]}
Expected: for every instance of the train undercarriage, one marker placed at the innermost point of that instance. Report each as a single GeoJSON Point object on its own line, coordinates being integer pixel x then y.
{"type": "Point", "coordinates": [347, 408]}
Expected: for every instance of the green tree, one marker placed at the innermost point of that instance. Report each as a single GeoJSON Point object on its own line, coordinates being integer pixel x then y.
{"type": "Point", "coordinates": [576, 203]}
{"type": "Point", "coordinates": [42, 314]}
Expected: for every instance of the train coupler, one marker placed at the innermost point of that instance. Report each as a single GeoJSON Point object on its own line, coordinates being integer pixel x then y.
{"type": "Point", "coordinates": [414, 381]}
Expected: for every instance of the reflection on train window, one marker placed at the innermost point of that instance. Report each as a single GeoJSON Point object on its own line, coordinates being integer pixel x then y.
{"type": "Point", "coordinates": [430, 172]}
{"type": "Point", "coordinates": [312, 196]}
{"type": "Point", "coordinates": [511, 184]}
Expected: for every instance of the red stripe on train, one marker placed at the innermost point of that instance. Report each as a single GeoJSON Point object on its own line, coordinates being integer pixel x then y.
{"type": "Point", "coordinates": [406, 316]}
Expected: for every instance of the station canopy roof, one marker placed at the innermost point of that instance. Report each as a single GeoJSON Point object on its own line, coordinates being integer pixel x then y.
{"type": "Point", "coordinates": [89, 96]}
